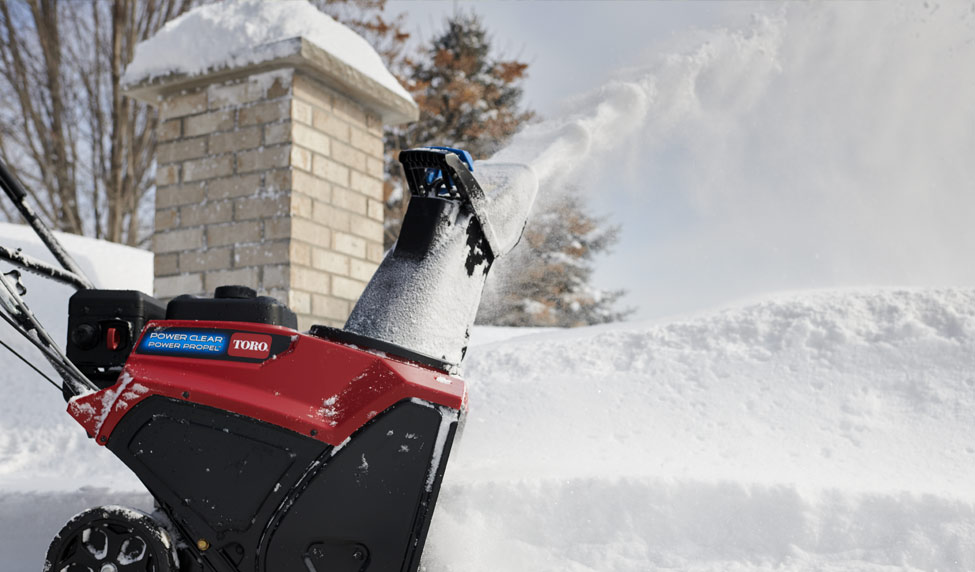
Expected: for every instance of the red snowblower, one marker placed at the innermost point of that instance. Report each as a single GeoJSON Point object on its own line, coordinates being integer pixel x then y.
{"type": "Point", "coordinates": [267, 449]}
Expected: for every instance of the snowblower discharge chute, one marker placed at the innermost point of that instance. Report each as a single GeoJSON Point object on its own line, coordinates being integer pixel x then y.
{"type": "Point", "coordinates": [267, 449]}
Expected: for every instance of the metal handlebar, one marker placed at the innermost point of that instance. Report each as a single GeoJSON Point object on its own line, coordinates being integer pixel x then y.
{"type": "Point", "coordinates": [18, 195]}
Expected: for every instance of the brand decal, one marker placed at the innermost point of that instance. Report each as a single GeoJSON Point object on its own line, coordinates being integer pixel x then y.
{"type": "Point", "coordinates": [217, 344]}
{"type": "Point", "coordinates": [249, 345]}
{"type": "Point", "coordinates": [184, 342]}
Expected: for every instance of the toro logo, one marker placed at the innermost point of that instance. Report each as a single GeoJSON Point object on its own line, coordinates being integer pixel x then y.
{"type": "Point", "coordinates": [249, 345]}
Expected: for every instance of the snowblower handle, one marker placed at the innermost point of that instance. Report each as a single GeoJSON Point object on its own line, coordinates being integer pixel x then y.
{"type": "Point", "coordinates": [11, 186]}
{"type": "Point", "coordinates": [74, 276]}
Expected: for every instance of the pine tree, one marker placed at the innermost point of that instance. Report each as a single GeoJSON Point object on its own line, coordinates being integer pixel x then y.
{"type": "Point", "coordinates": [546, 279]}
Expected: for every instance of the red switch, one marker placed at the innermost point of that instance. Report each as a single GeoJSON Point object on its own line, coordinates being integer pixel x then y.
{"type": "Point", "coordinates": [113, 338]}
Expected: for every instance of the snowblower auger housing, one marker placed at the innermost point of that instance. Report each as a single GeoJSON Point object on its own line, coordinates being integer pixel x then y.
{"type": "Point", "coordinates": [272, 450]}
{"type": "Point", "coordinates": [267, 449]}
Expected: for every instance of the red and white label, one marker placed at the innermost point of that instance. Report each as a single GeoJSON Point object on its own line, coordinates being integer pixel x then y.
{"type": "Point", "coordinates": [249, 345]}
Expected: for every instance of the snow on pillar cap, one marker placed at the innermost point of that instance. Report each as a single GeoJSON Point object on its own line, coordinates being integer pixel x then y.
{"type": "Point", "coordinates": [223, 38]}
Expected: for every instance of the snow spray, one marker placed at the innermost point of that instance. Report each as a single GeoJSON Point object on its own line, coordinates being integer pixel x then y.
{"type": "Point", "coordinates": [825, 144]}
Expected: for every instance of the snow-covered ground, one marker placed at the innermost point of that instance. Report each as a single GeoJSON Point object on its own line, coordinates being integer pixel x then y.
{"type": "Point", "coordinates": [808, 431]}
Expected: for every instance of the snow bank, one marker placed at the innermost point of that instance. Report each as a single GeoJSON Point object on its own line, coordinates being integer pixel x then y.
{"type": "Point", "coordinates": [237, 33]}
{"type": "Point", "coordinates": [822, 430]}
{"type": "Point", "coordinates": [822, 389]}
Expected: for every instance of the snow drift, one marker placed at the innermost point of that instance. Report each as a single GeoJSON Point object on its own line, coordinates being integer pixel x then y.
{"type": "Point", "coordinates": [820, 430]}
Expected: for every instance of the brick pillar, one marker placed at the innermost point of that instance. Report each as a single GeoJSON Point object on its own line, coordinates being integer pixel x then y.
{"type": "Point", "coordinates": [271, 176]}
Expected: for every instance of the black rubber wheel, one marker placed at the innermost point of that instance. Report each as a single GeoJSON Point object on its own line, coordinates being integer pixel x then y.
{"type": "Point", "coordinates": [111, 539]}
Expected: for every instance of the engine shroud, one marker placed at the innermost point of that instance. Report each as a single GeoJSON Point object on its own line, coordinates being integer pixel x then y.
{"type": "Point", "coordinates": [281, 451]}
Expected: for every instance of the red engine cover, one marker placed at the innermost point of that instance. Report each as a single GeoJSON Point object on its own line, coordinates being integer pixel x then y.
{"type": "Point", "coordinates": [300, 382]}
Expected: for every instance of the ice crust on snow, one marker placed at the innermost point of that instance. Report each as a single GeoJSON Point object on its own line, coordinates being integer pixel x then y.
{"type": "Point", "coordinates": [241, 32]}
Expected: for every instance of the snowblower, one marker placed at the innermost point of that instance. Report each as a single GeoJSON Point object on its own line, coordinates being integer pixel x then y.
{"type": "Point", "coordinates": [267, 449]}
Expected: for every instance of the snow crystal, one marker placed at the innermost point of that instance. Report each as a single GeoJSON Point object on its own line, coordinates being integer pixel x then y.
{"type": "Point", "coordinates": [330, 410]}
{"type": "Point", "coordinates": [230, 34]}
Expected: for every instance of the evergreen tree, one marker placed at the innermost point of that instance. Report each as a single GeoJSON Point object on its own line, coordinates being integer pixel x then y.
{"type": "Point", "coordinates": [546, 279]}
{"type": "Point", "coordinates": [464, 93]}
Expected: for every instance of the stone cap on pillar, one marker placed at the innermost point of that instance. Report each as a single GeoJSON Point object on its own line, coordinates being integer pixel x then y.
{"type": "Point", "coordinates": [393, 106]}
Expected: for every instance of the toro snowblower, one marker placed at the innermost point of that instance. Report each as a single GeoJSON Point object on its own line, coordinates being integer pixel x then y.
{"type": "Point", "coordinates": [267, 449]}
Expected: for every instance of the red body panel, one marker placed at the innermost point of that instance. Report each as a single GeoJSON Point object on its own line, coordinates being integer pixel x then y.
{"type": "Point", "coordinates": [316, 387]}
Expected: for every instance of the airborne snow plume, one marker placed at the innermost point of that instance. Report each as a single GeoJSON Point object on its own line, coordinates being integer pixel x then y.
{"type": "Point", "coordinates": [825, 144]}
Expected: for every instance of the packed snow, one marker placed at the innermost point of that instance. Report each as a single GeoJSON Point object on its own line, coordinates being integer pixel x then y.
{"type": "Point", "coordinates": [826, 430]}
{"type": "Point", "coordinates": [242, 32]}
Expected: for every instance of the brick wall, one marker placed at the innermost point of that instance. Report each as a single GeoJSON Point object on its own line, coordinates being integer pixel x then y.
{"type": "Point", "coordinates": [274, 181]}
{"type": "Point", "coordinates": [337, 160]}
